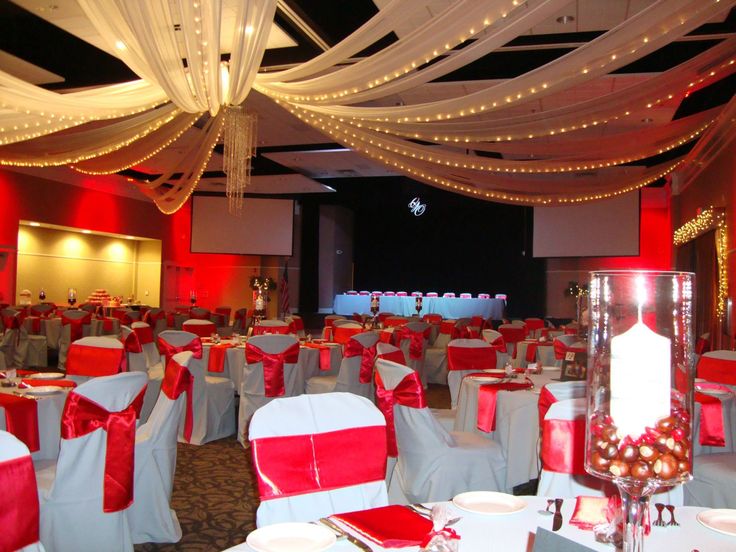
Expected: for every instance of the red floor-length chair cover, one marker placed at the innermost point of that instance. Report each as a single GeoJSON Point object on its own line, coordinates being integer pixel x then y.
{"type": "Point", "coordinates": [356, 369]}
{"type": "Point", "coordinates": [466, 356]}
{"type": "Point", "coordinates": [305, 485]}
{"type": "Point", "coordinates": [200, 327]}
{"type": "Point", "coordinates": [271, 371]}
{"type": "Point", "coordinates": [432, 462]}
{"type": "Point", "coordinates": [151, 517]}
{"type": "Point", "coordinates": [21, 530]}
{"type": "Point", "coordinates": [92, 357]}
{"type": "Point", "coordinates": [84, 495]}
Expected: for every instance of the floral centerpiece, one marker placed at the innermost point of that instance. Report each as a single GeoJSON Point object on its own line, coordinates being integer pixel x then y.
{"type": "Point", "coordinates": [262, 283]}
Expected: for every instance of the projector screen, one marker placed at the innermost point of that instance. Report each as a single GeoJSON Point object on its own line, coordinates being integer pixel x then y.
{"type": "Point", "coordinates": [608, 228]}
{"type": "Point", "coordinates": [266, 226]}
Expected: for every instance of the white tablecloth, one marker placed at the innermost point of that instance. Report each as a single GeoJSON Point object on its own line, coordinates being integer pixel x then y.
{"type": "Point", "coordinates": [516, 532]}
{"type": "Point", "coordinates": [447, 307]}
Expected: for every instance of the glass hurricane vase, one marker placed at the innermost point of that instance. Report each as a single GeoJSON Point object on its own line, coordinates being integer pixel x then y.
{"type": "Point", "coordinates": [640, 364]}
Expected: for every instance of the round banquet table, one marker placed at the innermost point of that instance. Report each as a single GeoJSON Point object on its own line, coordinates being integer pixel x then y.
{"type": "Point", "coordinates": [516, 532]}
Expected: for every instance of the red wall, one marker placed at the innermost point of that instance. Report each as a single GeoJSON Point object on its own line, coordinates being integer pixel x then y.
{"type": "Point", "coordinates": [218, 278]}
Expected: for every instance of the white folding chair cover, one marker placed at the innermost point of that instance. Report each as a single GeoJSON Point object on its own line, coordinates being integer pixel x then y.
{"type": "Point", "coordinates": [569, 485]}
{"type": "Point", "coordinates": [306, 415]}
{"type": "Point", "coordinates": [348, 378]}
{"type": "Point", "coordinates": [300, 331]}
{"type": "Point", "coordinates": [273, 323]}
{"type": "Point", "coordinates": [417, 364]}
{"type": "Point", "coordinates": [139, 362]}
{"type": "Point", "coordinates": [150, 517]}
{"type": "Point", "coordinates": [65, 335]}
{"type": "Point", "coordinates": [326, 330]}
{"type": "Point", "coordinates": [153, 357]}
{"type": "Point", "coordinates": [490, 336]}
{"type": "Point", "coordinates": [213, 399]}
{"type": "Point", "coordinates": [714, 481]}
{"type": "Point", "coordinates": [71, 490]}
{"type": "Point", "coordinates": [103, 342]}
{"type": "Point", "coordinates": [455, 377]}
{"type": "Point", "coordinates": [433, 464]}
{"type": "Point", "coordinates": [252, 387]}
{"type": "Point", "coordinates": [10, 449]}
{"type": "Point", "coordinates": [346, 323]}
{"type": "Point", "coordinates": [386, 348]}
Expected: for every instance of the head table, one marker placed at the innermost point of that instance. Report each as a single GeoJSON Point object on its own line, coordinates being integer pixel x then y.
{"type": "Point", "coordinates": [516, 532]}
{"type": "Point", "coordinates": [448, 307]}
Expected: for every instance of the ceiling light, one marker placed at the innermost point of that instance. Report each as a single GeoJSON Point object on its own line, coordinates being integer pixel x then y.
{"type": "Point", "coordinates": [86, 231]}
{"type": "Point", "coordinates": [35, 223]}
{"type": "Point", "coordinates": [647, 120]}
{"type": "Point", "coordinates": [120, 45]}
{"type": "Point", "coordinates": [565, 19]}
{"type": "Point", "coordinates": [129, 237]}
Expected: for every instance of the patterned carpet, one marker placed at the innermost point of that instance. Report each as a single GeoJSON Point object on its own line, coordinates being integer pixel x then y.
{"type": "Point", "coordinates": [215, 496]}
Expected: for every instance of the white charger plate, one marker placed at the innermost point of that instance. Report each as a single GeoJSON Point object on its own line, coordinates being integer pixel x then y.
{"type": "Point", "coordinates": [489, 503]}
{"type": "Point", "coordinates": [291, 537]}
{"type": "Point", "coordinates": [43, 390]}
{"type": "Point", "coordinates": [722, 520]}
{"type": "Point", "coordinates": [46, 375]}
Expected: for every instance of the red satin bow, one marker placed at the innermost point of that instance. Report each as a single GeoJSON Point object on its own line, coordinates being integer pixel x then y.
{"type": "Point", "coordinates": [500, 344]}
{"type": "Point", "coordinates": [487, 395]}
{"type": "Point", "coordinates": [273, 366]}
{"type": "Point", "coordinates": [76, 329]}
{"type": "Point", "coordinates": [177, 380]}
{"type": "Point", "coordinates": [19, 514]}
{"type": "Point", "coordinates": [560, 349]}
{"type": "Point", "coordinates": [471, 358]}
{"type": "Point", "coordinates": [416, 343]}
{"type": "Point", "coordinates": [408, 392]}
{"type": "Point", "coordinates": [169, 350]}
{"type": "Point", "coordinates": [132, 344]}
{"type": "Point", "coordinates": [144, 333]}
{"type": "Point", "coordinates": [368, 356]}
{"type": "Point", "coordinates": [82, 416]}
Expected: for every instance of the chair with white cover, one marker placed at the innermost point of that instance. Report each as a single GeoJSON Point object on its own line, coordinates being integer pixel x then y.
{"type": "Point", "coordinates": [296, 325]}
{"type": "Point", "coordinates": [266, 327]}
{"type": "Point", "coordinates": [329, 320]}
{"type": "Point", "coordinates": [197, 326]}
{"type": "Point", "coordinates": [464, 357]}
{"type": "Point", "coordinates": [433, 464]}
{"type": "Point", "coordinates": [512, 334]}
{"type": "Point", "coordinates": [718, 367]}
{"type": "Point", "coordinates": [156, 318]}
{"type": "Point", "coordinates": [300, 486]}
{"type": "Point", "coordinates": [714, 481]}
{"type": "Point", "coordinates": [137, 343]}
{"type": "Point", "coordinates": [92, 357]}
{"type": "Point", "coordinates": [241, 320]}
{"type": "Point", "coordinates": [390, 352]}
{"type": "Point", "coordinates": [466, 295]}
{"type": "Point", "coordinates": [150, 517]}
{"type": "Point", "coordinates": [356, 369]}
{"type": "Point", "coordinates": [534, 325]}
{"type": "Point", "coordinates": [449, 295]}
{"type": "Point", "coordinates": [20, 511]}
{"type": "Point", "coordinates": [564, 344]}
{"type": "Point", "coordinates": [271, 370]}
{"type": "Point", "coordinates": [412, 339]}
{"type": "Point", "coordinates": [75, 324]}
{"type": "Point", "coordinates": [343, 330]}
{"type": "Point", "coordinates": [496, 340]}
{"type": "Point", "coordinates": [213, 398]}
{"type": "Point", "coordinates": [199, 313]}
{"type": "Point", "coordinates": [83, 495]}
{"type": "Point", "coordinates": [147, 339]}
{"type": "Point", "coordinates": [14, 343]}
{"type": "Point", "coordinates": [563, 473]}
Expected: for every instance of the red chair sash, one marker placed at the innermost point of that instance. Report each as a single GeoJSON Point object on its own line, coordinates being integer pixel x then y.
{"type": "Point", "coordinates": [94, 361]}
{"type": "Point", "coordinates": [42, 311]}
{"type": "Point", "coordinates": [325, 461]}
{"type": "Point", "coordinates": [132, 343]}
{"type": "Point", "coordinates": [169, 350]}
{"type": "Point", "coordinates": [432, 318]}
{"type": "Point", "coordinates": [145, 334]}
{"type": "Point", "coordinates": [513, 335]}
{"type": "Point", "coordinates": [563, 446]}
{"type": "Point", "coordinates": [177, 380]}
{"type": "Point", "coordinates": [711, 431]}
{"type": "Point", "coordinates": [76, 328]}
{"type": "Point", "coordinates": [546, 399]}
{"type": "Point", "coordinates": [394, 356]}
{"type": "Point", "coordinates": [471, 358]}
{"type": "Point", "coordinates": [296, 325]}
{"type": "Point", "coordinates": [702, 346]}
{"type": "Point", "coordinates": [150, 317]}
{"type": "Point", "coordinates": [265, 330]}
{"type": "Point", "coordinates": [717, 369]}
{"type": "Point", "coordinates": [218, 354]}
{"type": "Point", "coordinates": [35, 324]}
{"type": "Point", "coordinates": [500, 344]}
{"type": "Point", "coordinates": [19, 514]}
{"type": "Point", "coordinates": [21, 419]}
{"type": "Point", "coordinates": [123, 316]}
{"type": "Point", "coordinates": [325, 355]}
{"type": "Point", "coordinates": [560, 349]}
{"type": "Point", "coordinates": [170, 319]}
{"type": "Point", "coordinates": [416, 343]}
{"type": "Point", "coordinates": [487, 395]}
{"type": "Point", "coordinates": [342, 335]}
{"type": "Point", "coordinates": [108, 324]}
{"type": "Point", "coordinates": [532, 324]}
{"type": "Point", "coordinates": [447, 327]}
{"type": "Point", "coordinates": [408, 392]}
{"type": "Point", "coordinates": [571, 331]}
{"type": "Point", "coordinates": [11, 322]}
{"type": "Point", "coordinates": [273, 366]}
{"type": "Point", "coordinates": [354, 348]}
{"type": "Point", "coordinates": [202, 330]}
{"type": "Point", "coordinates": [531, 351]}
{"type": "Point", "coordinates": [82, 416]}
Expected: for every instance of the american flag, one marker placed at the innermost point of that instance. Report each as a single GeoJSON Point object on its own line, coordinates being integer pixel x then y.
{"type": "Point", "coordinates": [284, 306]}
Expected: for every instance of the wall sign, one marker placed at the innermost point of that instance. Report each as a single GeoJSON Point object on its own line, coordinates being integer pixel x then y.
{"type": "Point", "coordinates": [416, 207]}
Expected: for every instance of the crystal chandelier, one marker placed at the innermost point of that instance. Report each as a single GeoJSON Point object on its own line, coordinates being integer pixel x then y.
{"type": "Point", "coordinates": [240, 146]}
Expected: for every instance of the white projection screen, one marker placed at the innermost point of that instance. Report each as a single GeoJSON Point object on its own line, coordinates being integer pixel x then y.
{"type": "Point", "coordinates": [265, 227]}
{"type": "Point", "coordinates": [607, 228]}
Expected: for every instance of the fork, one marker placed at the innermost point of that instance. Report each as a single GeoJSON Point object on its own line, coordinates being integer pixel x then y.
{"type": "Point", "coordinates": [659, 522]}
{"type": "Point", "coordinates": [671, 510]}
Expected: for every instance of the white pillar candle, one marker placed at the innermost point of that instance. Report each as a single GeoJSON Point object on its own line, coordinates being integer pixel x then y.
{"type": "Point", "coordinates": [260, 304]}
{"type": "Point", "coordinates": [640, 379]}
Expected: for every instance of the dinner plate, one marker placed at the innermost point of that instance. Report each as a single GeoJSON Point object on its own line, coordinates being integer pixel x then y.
{"type": "Point", "coordinates": [485, 378]}
{"type": "Point", "coordinates": [549, 368]}
{"type": "Point", "coordinates": [489, 503]}
{"type": "Point", "coordinates": [291, 537]}
{"type": "Point", "coordinates": [43, 390]}
{"type": "Point", "coordinates": [722, 520]}
{"type": "Point", "coordinates": [46, 375]}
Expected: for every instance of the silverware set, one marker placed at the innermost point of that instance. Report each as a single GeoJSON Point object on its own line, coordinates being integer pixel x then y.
{"type": "Point", "coordinates": [659, 522]}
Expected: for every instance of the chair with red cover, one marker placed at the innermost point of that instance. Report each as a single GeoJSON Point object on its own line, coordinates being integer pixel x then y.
{"type": "Point", "coordinates": [19, 510]}
{"type": "Point", "coordinates": [75, 324]}
{"type": "Point", "coordinates": [156, 318]}
{"type": "Point", "coordinates": [329, 321]}
{"type": "Point", "coordinates": [271, 370]}
{"type": "Point", "coordinates": [213, 397]}
{"type": "Point", "coordinates": [356, 369]}
{"type": "Point", "coordinates": [323, 434]}
{"type": "Point", "coordinates": [84, 495]}
{"type": "Point", "coordinates": [92, 357]}
{"type": "Point", "coordinates": [199, 326]}
{"type": "Point", "coordinates": [466, 356]}
{"type": "Point", "coordinates": [390, 352]}
{"type": "Point", "coordinates": [266, 327]}
{"type": "Point", "coordinates": [433, 464]}
{"type": "Point", "coordinates": [150, 517]}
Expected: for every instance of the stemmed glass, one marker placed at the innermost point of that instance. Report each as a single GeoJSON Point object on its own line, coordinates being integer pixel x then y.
{"type": "Point", "coordinates": [193, 297]}
{"type": "Point", "coordinates": [72, 296]}
{"type": "Point", "coordinates": [640, 382]}
{"type": "Point", "coordinates": [41, 295]}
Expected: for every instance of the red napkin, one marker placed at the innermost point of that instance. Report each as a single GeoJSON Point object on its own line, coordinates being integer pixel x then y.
{"type": "Point", "coordinates": [44, 382]}
{"type": "Point", "coordinates": [594, 510]}
{"type": "Point", "coordinates": [21, 419]}
{"type": "Point", "coordinates": [216, 362]}
{"type": "Point", "coordinates": [390, 526]}
{"type": "Point", "coordinates": [487, 402]}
